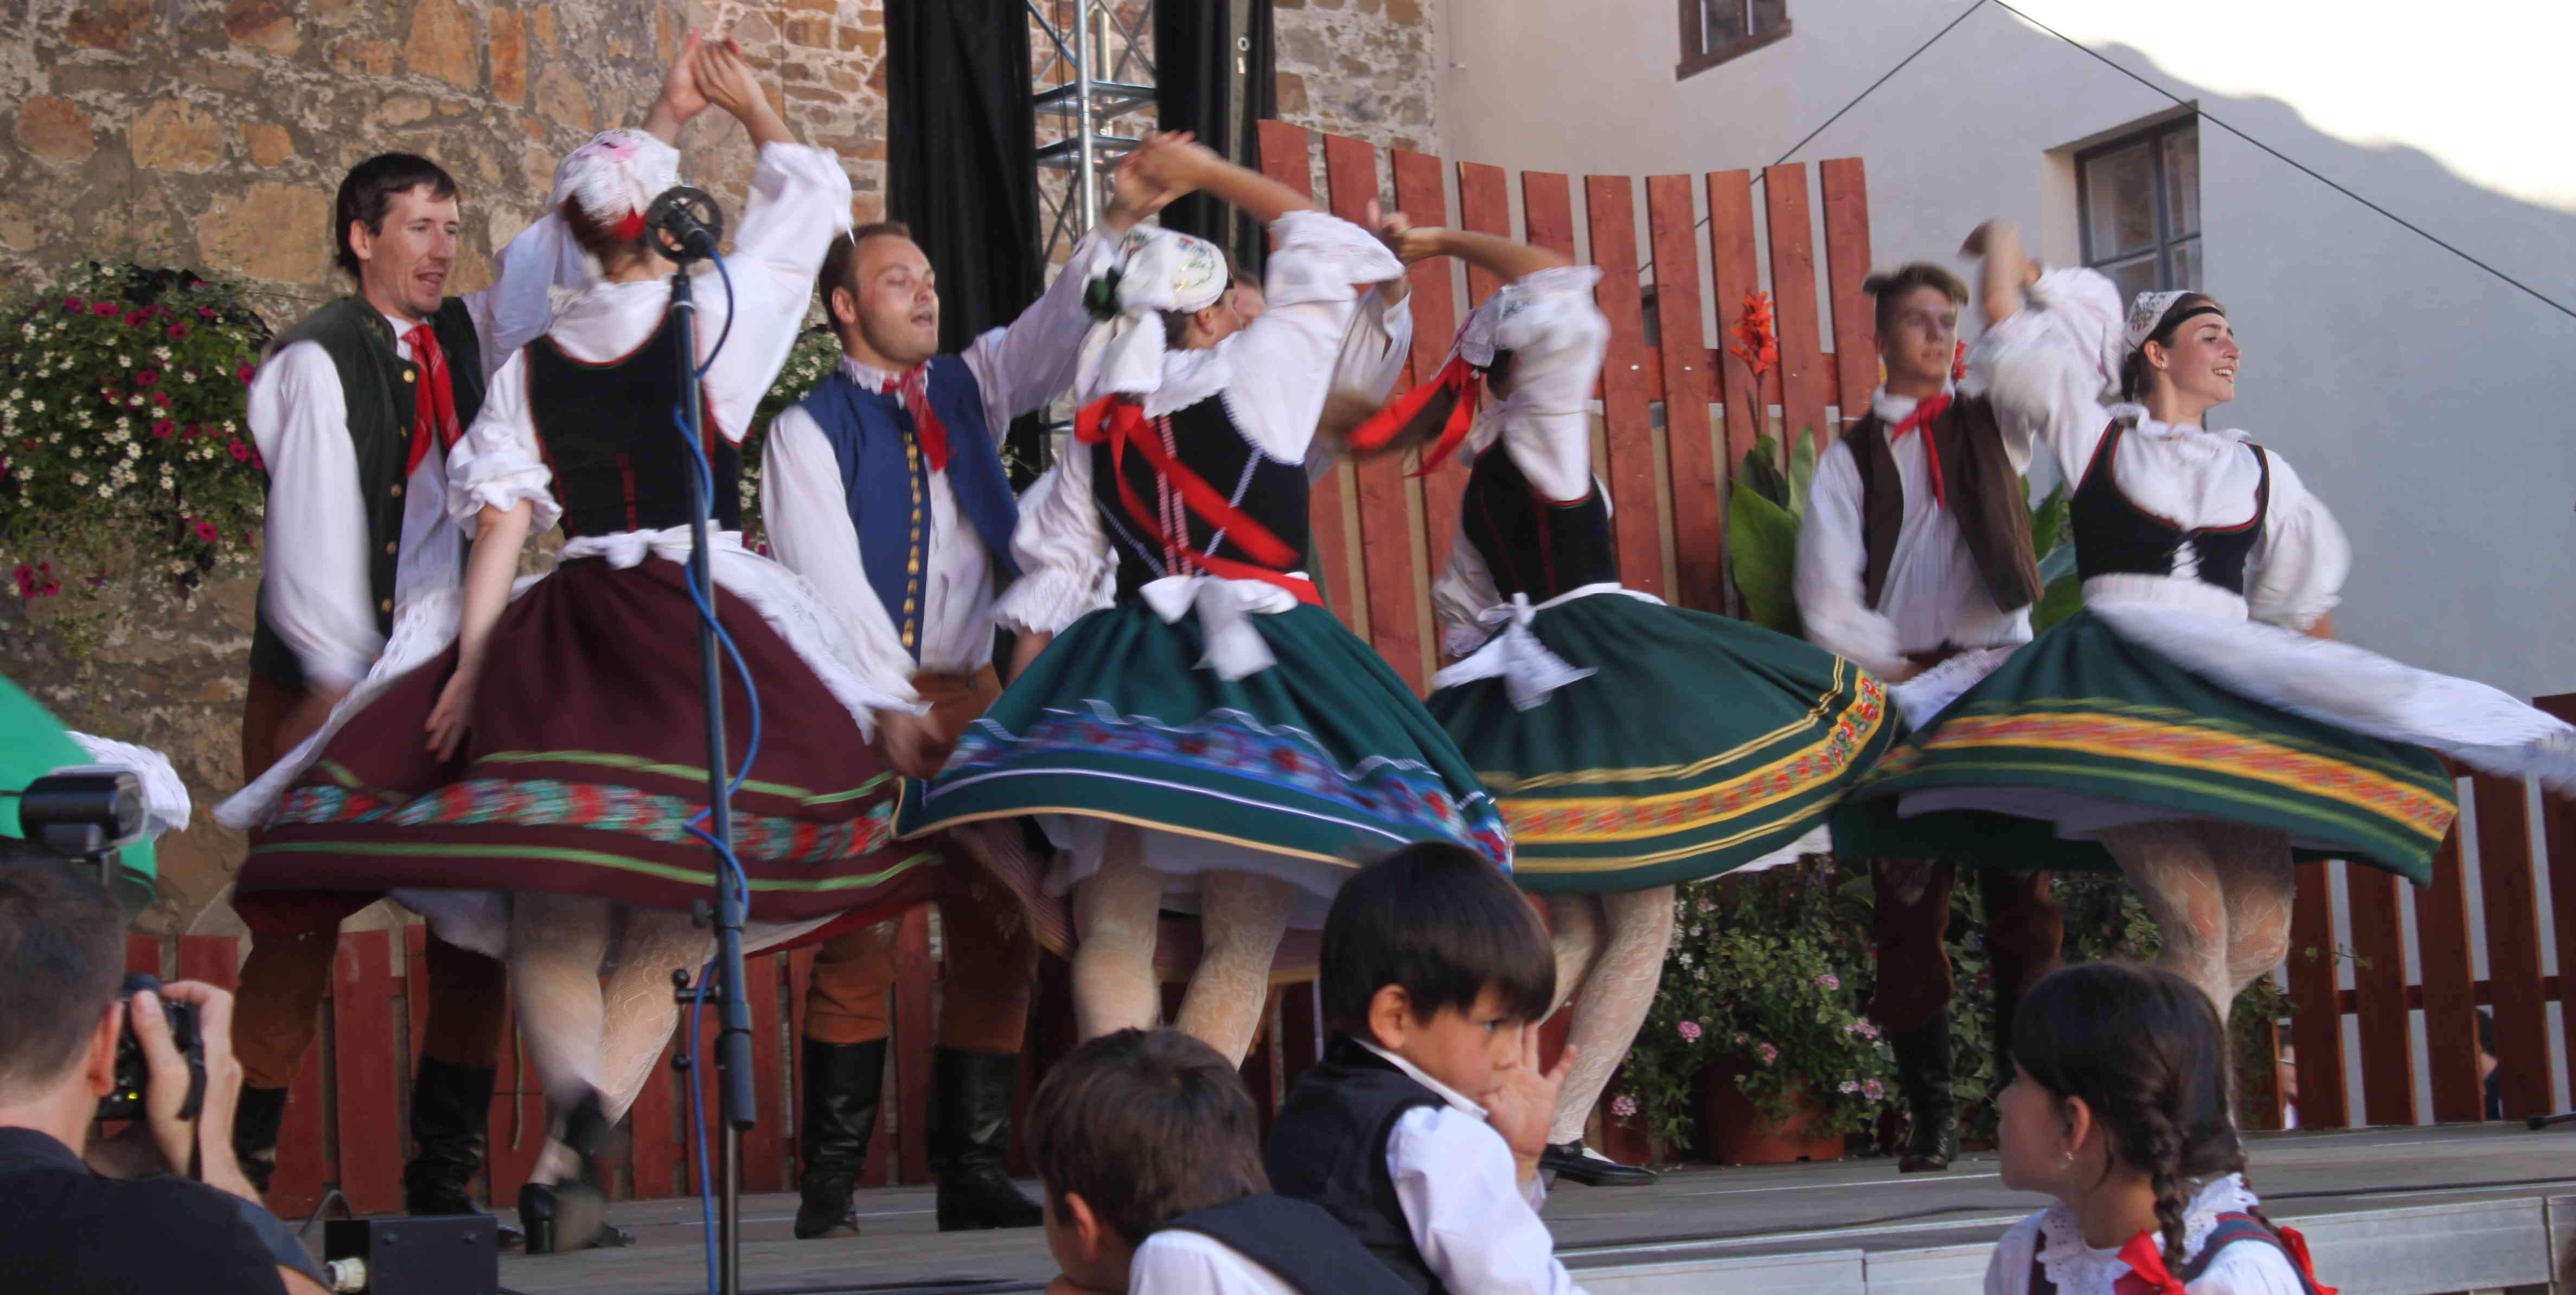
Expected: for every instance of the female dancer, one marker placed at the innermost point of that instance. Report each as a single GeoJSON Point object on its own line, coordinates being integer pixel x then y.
{"type": "Point", "coordinates": [1202, 734]}
{"type": "Point", "coordinates": [2194, 718]}
{"type": "Point", "coordinates": [1633, 745]}
{"type": "Point", "coordinates": [546, 817]}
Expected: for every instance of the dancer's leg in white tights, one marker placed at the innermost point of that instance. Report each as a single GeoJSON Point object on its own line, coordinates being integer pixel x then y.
{"type": "Point", "coordinates": [1242, 916]}
{"type": "Point", "coordinates": [642, 1010]}
{"type": "Point", "coordinates": [2258, 878]}
{"type": "Point", "coordinates": [1574, 936]}
{"type": "Point", "coordinates": [1115, 915]}
{"type": "Point", "coordinates": [557, 943]}
{"type": "Point", "coordinates": [2220, 895]}
{"type": "Point", "coordinates": [1617, 992]}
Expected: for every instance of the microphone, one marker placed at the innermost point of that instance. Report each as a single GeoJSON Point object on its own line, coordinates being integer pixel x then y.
{"type": "Point", "coordinates": [686, 223]}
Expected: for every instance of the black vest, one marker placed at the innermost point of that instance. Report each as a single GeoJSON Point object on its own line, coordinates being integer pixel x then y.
{"type": "Point", "coordinates": [1328, 1146]}
{"type": "Point", "coordinates": [608, 434]}
{"type": "Point", "coordinates": [1297, 1241]}
{"type": "Point", "coordinates": [380, 391]}
{"type": "Point", "coordinates": [2115, 536]}
{"type": "Point", "coordinates": [1533, 544]}
{"type": "Point", "coordinates": [1984, 495]}
{"type": "Point", "coordinates": [1204, 440]}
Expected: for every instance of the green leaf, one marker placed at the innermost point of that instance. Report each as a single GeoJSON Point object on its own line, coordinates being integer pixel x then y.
{"type": "Point", "coordinates": [1762, 547]}
{"type": "Point", "coordinates": [1802, 469]}
{"type": "Point", "coordinates": [2057, 564]}
{"type": "Point", "coordinates": [2059, 600]}
{"type": "Point", "coordinates": [1761, 470]}
{"type": "Point", "coordinates": [2048, 521]}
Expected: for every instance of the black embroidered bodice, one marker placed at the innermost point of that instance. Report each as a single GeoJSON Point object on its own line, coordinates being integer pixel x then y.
{"type": "Point", "coordinates": [1532, 544]}
{"type": "Point", "coordinates": [2114, 536]}
{"type": "Point", "coordinates": [1206, 444]}
{"type": "Point", "coordinates": [607, 432]}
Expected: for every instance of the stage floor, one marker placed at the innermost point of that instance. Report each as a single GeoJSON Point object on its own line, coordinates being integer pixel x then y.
{"type": "Point", "coordinates": [1691, 1214]}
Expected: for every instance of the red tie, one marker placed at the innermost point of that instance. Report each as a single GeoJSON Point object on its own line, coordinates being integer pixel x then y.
{"type": "Point", "coordinates": [914, 384]}
{"type": "Point", "coordinates": [434, 403]}
{"type": "Point", "coordinates": [1921, 421]}
{"type": "Point", "coordinates": [2147, 1274]}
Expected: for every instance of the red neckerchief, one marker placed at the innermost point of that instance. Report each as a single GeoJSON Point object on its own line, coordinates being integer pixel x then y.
{"type": "Point", "coordinates": [1458, 376]}
{"type": "Point", "coordinates": [2147, 1274]}
{"type": "Point", "coordinates": [914, 386]}
{"type": "Point", "coordinates": [1120, 422]}
{"type": "Point", "coordinates": [433, 401]}
{"type": "Point", "coordinates": [1921, 421]}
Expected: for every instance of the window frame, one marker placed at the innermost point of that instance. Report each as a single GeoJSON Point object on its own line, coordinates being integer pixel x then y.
{"type": "Point", "coordinates": [1696, 59]}
{"type": "Point", "coordinates": [2166, 238]}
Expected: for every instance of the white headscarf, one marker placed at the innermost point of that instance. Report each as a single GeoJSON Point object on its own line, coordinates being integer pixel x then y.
{"type": "Point", "coordinates": [1152, 271]}
{"type": "Point", "coordinates": [2144, 312]}
{"type": "Point", "coordinates": [616, 175]}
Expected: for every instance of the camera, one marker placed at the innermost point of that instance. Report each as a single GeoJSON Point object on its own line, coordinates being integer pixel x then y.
{"type": "Point", "coordinates": [134, 1072]}
{"type": "Point", "coordinates": [88, 812]}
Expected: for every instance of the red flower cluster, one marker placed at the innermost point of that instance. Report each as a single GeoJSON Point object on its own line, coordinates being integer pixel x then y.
{"type": "Point", "coordinates": [1757, 336]}
{"type": "Point", "coordinates": [38, 581]}
{"type": "Point", "coordinates": [1959, 362]}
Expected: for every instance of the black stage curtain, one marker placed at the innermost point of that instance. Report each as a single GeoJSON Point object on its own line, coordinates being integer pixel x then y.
{"type": "Point", "coordinates": [1216, 72]}
{"type": "Point", "coordinates": [961, 155]}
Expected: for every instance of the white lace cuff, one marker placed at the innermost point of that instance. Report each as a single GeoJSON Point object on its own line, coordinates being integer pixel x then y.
{"type": "Point", "coordinates": [1045, 602]}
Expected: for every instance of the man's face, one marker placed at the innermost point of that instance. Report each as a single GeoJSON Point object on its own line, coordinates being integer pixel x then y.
{"type": "Point", "coordinates": [403, 264]}
{"type": "Point", "coordinates": [1922, 338]}
{"type": "Point", "coordinates": [896, 300]}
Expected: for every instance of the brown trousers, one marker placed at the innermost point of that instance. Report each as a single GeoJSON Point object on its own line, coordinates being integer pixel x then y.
{"type": "Point", "coordinates": [991, 970]}
{"type": "Point", "coordinates": [277, 1005]}
{"type": "Point", "coordinates": [2024, 932]}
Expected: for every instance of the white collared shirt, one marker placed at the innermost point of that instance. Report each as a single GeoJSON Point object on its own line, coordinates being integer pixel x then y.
{"type": "Point", "coordinates": [1018, 368]}
{"type": "Point", "coordinates": [1176, 1262]}
{"type": "Point", "coordinates": [1934, 594]}
{"type": "Point", "coordinates": [1474, 1221]}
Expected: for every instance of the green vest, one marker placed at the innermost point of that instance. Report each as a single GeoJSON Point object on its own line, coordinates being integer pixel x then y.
{"type": "Point", "coordinates": [376, 383]}
{"type": "Point", "coordinates": [33, 744]}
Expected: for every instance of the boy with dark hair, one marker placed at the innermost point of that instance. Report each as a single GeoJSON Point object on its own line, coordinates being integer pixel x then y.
{"type": "Point", "coordinates": [1422, 1127]}
{"type": "Point", "coordinates": [1150, 1148]}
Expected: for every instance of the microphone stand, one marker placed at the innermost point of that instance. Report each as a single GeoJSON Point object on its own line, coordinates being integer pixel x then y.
{"type": "Point", "coordinates": [737, 1102]}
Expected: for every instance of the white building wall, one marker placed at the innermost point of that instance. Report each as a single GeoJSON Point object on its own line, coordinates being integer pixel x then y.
{"type": "Point", "coordinates": [2426, 401]}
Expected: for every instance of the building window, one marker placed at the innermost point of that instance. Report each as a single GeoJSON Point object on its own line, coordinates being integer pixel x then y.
{"type": "Point", "coordinates": [2140, 201]}
{"type": "Point", "coordinates": [1714, 31]}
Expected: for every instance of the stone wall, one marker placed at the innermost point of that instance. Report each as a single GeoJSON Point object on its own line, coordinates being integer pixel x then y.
{"type": "Point", "coordinates": [213, 134]}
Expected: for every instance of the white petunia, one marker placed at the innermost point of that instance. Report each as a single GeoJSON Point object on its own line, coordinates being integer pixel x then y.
{"type": "Point", "coordinates": [80, 478]}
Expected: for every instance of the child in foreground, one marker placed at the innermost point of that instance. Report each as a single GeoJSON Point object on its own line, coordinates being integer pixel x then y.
{"type": "Point", "coordinates": [1422, 1127]}
{"type": "Point", "coordinates": [2118, 1108]}
{"type": "Point", "coordinates": [1150, 1149]}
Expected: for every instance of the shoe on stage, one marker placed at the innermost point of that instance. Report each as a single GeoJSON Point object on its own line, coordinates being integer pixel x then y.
{"type": "Point", "coordinates": [1578, 1163]}
{"type": "Point", "coordinates": [573, 1215]}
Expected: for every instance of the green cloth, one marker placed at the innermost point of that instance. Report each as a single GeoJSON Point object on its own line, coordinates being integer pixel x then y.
{"type": "Point", "coordinates": [1699, 744]}
{"type": "Point", "coordinates": [32, 744]}
{"type": "Point", "coordinates": [2082, 717]}
{"type": "Point", "coordinates": [1325, 756]}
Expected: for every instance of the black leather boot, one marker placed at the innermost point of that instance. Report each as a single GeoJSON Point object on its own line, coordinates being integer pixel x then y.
{"type": "Point", "coordinates": [843, 1083]}
{"type": "Point", "coordinates": [970, 1133]}
{"type": "Point", "coordinates": [256, 1117]}
{"type": "Point", "coordinates": [573, 1214]}
{"type": "Point", "coordinates": [1577, 1163]}
{"type": "Point", "coordinates": [450, 1105]}
{"type": "Point", "coordinates": [1923, 1075]}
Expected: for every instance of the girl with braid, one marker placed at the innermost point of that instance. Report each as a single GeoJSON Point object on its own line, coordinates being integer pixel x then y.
{"type": "Point", "coordinates": [2118, 1108]}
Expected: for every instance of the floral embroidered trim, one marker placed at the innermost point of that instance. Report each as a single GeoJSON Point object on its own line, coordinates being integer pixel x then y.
{"type": "Point", "coordinates": [547, 802]}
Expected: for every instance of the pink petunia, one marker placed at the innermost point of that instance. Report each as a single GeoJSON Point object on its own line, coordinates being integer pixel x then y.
{"type": "Point", "coordinates": [1873, 1090]}
{"type": "Point", "coordinates": [146, 377]}
{"type": "Point", "coordinates": [139, 318]}
{"type": "Point", "coordinates": [206, 531]}
{"type": "Point", "coordinates": [207, 311]}
{"type": "Point", "coordinates": [163, 428]}
{"type": "Point", "coordinates": [1829, 981]}
{"type": "Point", "coordinates": [178, 330]}
{"type": "Point", "coordinates": [247, 371]}
{"type": "Point", "coordinates": [1766, 1053]}
{"type": "Point", "coordinates": [1689, 1030]}
{"type": "Point", "coordinates": [26, 581]}
{"type": "Point", "coordinates": [161, 398]}
{"type": "Point", "coordinates": [106, 308]}
{"type": "Point", "coordinates": [240, 451]}
{"type": "Point", "coordinates": [1623, 1106]}
{"type": "Point", "coordinates": [74, 303]}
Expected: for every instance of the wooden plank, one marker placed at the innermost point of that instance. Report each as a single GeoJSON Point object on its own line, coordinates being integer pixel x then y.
{"type": "Point", "coordinates": [143, 955]}
{"type": "Point", "coordinates": [2558, 826]}
{"type": "Point", "coordinates": [2526, 1079]}
{"type": "Point", "coordinates": [1547, 213]}
{"type": "Point", "coordinates": [657, 1152]}
{"type": "Point", "coordinates": [212, 959]}
{"type": "Point", "coordinates": [1285, 158]}
{"type": "Point", "coordinates": [1699, 476]}
{"type": "Point", "coordinates": [1386, 515]}
{"type": "Point", "coordinates": [1803, 382]}
{"type": "Point", "coordinates": [764, 1148]}
{"type": "Point", "coordinates": [1845, 189]}
{"type": "Point", "coordinates": [1420, 194]}
{"type": "Point", "coordinates": [912, 1042]}
{"type": "Point", "coordinates": [1610, 201]}
{"type": "Point", "coordinates": [1735, 273]}
{"type": "Point", "coordinates": [2449, 996]}
{"type": "Point", "coordinates": [415, 996]}
{"type": "Point", "coordinates": [368, 1080]}
{"type": "Point", "coordinates": [1485, 207]}
{"type": "Point", "coordinates": [2379, 983]}
{"type": "Point", "coordinates": [2316, 1029]}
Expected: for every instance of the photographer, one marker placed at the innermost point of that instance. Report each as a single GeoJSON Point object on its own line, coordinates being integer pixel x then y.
{"type": "Point", "coordinates": [121, 1220]}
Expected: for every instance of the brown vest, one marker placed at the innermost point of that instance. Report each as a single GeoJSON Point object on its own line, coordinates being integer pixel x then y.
{"type": "Point", "coordinates": [1984, 494]}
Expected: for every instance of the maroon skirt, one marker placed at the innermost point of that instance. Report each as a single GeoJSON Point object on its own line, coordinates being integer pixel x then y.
{"type": "Point", "coordinates": [583, 766]}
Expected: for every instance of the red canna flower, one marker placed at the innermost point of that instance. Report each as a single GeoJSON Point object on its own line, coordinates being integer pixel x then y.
{"type": "Point", "coordinates": [1757, 342]}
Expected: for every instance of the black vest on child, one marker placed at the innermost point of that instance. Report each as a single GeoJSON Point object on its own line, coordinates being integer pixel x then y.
{"type": "Point", "coordinates": [1297, 1241]}
{"type": "Point", "coordinates": [1533, 544]}
{"type": "Point", "coordinates": [1328, 1146]}
{"type": "Point", "coordinates": [1271, 492]}
{"type": "Point", "coordinates": [379, 395]}
{"type": "Point", "coordinates": [2115, 536]}
{"type": "Point", "coordinates": [608, 434]}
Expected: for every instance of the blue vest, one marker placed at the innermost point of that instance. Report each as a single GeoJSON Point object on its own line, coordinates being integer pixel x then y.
{"type": "Point", "coordinates": [887, 481]}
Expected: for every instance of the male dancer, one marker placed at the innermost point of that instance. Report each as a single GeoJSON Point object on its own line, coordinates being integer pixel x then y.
{"type": "Point", "coordinates": [354, 413]}
{"type": "Point", "coordinates": [885, 489]}
{"type": "Point", "coordinates": [1915, 548]}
